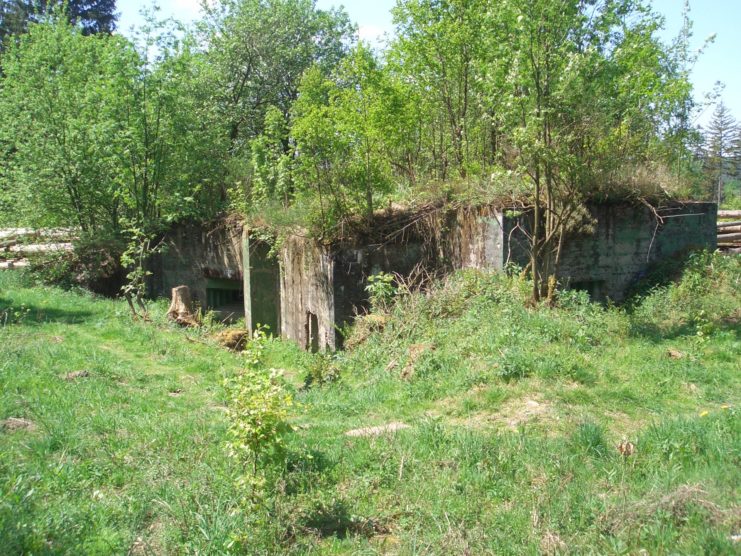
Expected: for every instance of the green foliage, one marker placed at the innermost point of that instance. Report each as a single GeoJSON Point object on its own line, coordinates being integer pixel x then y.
{"type": "Point", "coordinates": [258, 411]}
{"type": "Point", "coordinates": [136, 441]}
{"type": "Point", "coordinates": [99, 136]}
{"type": "Point", "coordinates": [13, 314]}
{"type": "Point", "coordinates": [590, 437]}
{"type": "Point", "coordinates": [381, 291]}
{"type": "Point", "coordinates": [257, 53]}
{"type": "Point", "coordinates": [92, 16]}
{"type": "Point", "coordinates": [322, 369]}
{"type": "Point", "coordinates": [704, 297]}
{"type": "Point", "coordinates": [93, 264]}
{"type": "Point", "coordinates": [271, 165]}
{"type": "Point", "coordinates": [148, 423]}
{"type": "Point", "coordinates": [348, 128]}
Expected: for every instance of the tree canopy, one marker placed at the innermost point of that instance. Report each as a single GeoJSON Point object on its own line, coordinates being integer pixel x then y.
{"type": "Point", "coordinates": [270, 108]}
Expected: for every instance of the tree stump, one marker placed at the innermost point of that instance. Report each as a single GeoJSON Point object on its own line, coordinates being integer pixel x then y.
{"type": "Point", "coordinates": [180, 310]}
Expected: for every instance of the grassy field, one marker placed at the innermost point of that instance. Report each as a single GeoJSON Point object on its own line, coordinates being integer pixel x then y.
{"type": "Point", "coordinates": [513, 420]}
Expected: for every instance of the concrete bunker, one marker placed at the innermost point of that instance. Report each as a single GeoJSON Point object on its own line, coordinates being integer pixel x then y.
{"type": "Point", "coordinates": [307, 290]}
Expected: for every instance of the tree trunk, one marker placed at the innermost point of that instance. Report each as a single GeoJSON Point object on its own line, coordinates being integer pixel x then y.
{"type": "Point", "coordinates": [181, 305]}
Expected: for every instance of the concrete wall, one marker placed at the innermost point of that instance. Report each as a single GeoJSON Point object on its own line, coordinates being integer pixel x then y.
{"type": "Point", "coordinates": [307, 313]}
{"type": "Point", "coordinates": [311, 289]}
{"type": "Point", "coordinates": [262, 286]}
{"type": "Point", "coordinates": [472, 237]}
{"type": "Point", "coordinates": [329, 281]}
{"type": "Point", "coordinates": [626, 240]}
{"type": "Point", "coordinates": [195, 253]}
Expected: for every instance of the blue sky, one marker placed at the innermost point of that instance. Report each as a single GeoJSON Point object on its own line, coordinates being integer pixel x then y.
{"type": "Point", "coordinates": [721, 61]}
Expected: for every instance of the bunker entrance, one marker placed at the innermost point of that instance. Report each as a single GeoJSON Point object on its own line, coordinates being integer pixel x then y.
{"type": "Point", "coordinates": [595, 288]}
{"type": "Point", "coordinates": [225, 297]}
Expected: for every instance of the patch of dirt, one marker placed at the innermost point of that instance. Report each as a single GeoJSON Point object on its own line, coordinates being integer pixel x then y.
{"type": "Point", "coordinates": [377, 431]}
{"type": "Point", "coordinates": [233, 339]}
{"type": "Point", "coordinates": [511, 414]}
{"type": "Point", "coordinates": [76, 375]}
{"type": "Point", "coordinates": [692, 388]}
{"type": "Point", "coordinates": [551, 543]}
{"type": "Point", "coordinates": [678, 503]}
{"type": "Point", "coordinates": [676, 354]}
{"type": "Point", "coordinates": [623, 425]}
{"type": "Point", "coordinates": [150, 542]}
{"type": "Point", "coordinates": [16, 423]}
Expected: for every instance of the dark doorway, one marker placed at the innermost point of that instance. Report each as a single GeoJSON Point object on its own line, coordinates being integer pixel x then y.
{"type": "Point", "coordinates": [225, 297]}
{"type": "Point", "coordinates": [312, 333]}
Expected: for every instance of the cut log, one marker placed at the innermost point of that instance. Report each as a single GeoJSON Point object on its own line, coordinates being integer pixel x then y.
{"type": "Point", "coordinates": [729, 224]}
{"type": "Point", "coordinates": [181, 307]}
{"type": "Point", "coordinates": [729, 214]}
{"type": "Point", "coordinates": [729, 237]}
{"type": "Point", "coordinates": [729, 230]}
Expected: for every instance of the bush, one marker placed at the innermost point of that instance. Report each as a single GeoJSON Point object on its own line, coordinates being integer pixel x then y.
{"type": "Point", "coordinates": [258, 409]}
{"type": "Point", "coordinates": [381, 289]}
{"type": "Point", "coordinates": [93, 264]}
{"type": "Point", "coordinates": [707, 295]}
{"type": "Point", "coordinates": [321, 370]}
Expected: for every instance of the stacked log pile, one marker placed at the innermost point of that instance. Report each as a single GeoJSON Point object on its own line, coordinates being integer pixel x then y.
{"type": "Point", "coordinates": [17, 244]}
{"type": "Point", "coordinates": [729, 230]}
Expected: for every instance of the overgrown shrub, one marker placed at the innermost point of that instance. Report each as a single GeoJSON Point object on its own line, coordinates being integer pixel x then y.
{"type": "Point", "coordinates": [322, 369]}
{"type": "Point", "coordinates": [381, 290]}
{"type": "Point", "coordinates": [706, 297]}
{"type": "Point", "coordinates": [93, 264]}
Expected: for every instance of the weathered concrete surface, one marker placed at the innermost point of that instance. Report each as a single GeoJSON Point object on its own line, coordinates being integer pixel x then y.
{"type": "Point", "coordinates": [626, 240]}
{"type": "Point", "coordinates": [261, 286]}
{"type": "Point", "coordinates": [196, 254]}
{"type": "Point", "coordinates": [311, 290]}
{"type": "Point", "coordinates": [307, 294]}
{"type": "Point", "coordinates": [473, 238]}
{"type": "Point", "coordinates": [329, 281]}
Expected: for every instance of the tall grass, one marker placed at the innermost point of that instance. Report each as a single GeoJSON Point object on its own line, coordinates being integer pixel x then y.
{"type": "Point", "coordinates": [514, 417]}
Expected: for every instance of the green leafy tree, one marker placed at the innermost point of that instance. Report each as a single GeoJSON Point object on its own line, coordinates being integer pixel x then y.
{"type": "Point", "coordinates": [171, 155]}
{"type": "Point", "coordinates": [57, 127]}
{"type": "Point", "coordinates": [348, 129]}
{"type": "Point", "coordinates": [438, 48]}
{"type": "Point", "coordinates": [271, 161]}
{"type": "Point", "coordinates": [99, 135]}
{"type": "Point", "coordinates": [257, 52]}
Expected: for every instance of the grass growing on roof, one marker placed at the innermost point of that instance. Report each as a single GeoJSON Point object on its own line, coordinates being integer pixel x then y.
{"type": "Point", "coordinates": [514, 418]}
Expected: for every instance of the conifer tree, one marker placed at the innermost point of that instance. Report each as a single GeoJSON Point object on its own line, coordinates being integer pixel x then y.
{"type": "Point", "coordinates": [722, 141]}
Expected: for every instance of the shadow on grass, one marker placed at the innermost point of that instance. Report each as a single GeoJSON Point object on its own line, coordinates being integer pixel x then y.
{"type": "Point", "coordinates": [21, 313]}
{"type": "Point", "coordinates": [302, 472]}
{"type": "Point", "coordinates": [657, 334]}
{"type": "Point", "coordinates": [334, 519]}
